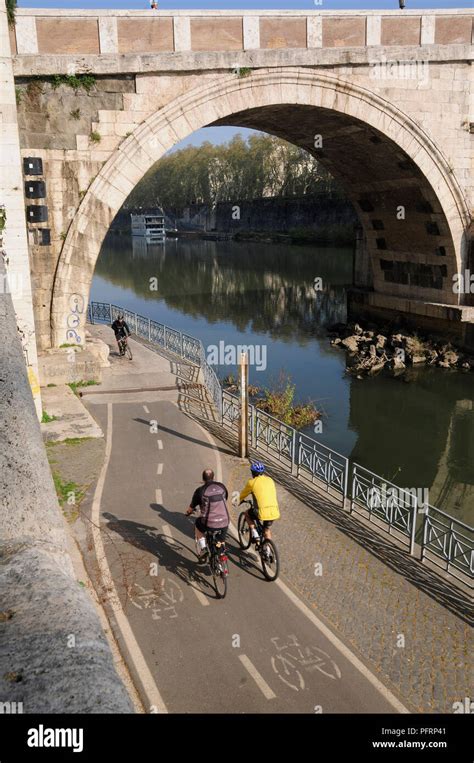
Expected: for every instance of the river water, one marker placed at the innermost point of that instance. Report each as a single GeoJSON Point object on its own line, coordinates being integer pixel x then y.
{"type": "Point", "coordinates": [416, 430]}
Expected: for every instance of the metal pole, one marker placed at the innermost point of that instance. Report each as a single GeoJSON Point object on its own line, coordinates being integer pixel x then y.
{"type": "Point", "coordinates": [413, 529]}
{"type": "Point", "coordinates": [244, 406]}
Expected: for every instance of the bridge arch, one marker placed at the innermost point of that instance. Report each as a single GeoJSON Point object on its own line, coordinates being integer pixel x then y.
{"type": "Point", "coordinates": [385, 160]}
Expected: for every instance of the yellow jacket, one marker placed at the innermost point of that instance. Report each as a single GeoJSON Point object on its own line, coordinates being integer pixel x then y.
{"type": "Point", "coordinates": [264, 492]}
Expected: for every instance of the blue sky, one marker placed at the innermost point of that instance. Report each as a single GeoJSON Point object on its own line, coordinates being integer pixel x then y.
{"type": "Point", "coordinates": [327, 5]}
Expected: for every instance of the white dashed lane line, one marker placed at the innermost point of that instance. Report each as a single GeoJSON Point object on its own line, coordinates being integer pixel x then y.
{"type": "Point", "coordinates": [146, 409]}
{"type": "Point", "coordinates": [259, 680]}
{"type": "Point", "coordinates": [160, 444]}
{"type": "Point", "coordinates": [159, 469]}
{"type": "Point", "coordinates": [158, 497]}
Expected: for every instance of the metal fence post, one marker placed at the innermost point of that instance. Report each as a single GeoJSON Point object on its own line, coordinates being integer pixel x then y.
{"type": "Point", "coordinates": [294, 455]}
{"type": "Point", "coordinates": [413, 529]}
{"type": "Point", "coordinates": [181, 343]}
{"type": "Point", "coordinates": [110, 313]}
{"type": "Point", "coordinates": [346, 483]}
{"type": "Point", "coordinates": [149, 330]}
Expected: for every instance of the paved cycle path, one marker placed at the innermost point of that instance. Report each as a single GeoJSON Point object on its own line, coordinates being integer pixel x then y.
{"type": "Point", "coordinates": [258, 650]}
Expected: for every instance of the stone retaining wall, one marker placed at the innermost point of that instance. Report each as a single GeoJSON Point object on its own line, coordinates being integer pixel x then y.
{"type": "Point", "coordinates": [54, 656]}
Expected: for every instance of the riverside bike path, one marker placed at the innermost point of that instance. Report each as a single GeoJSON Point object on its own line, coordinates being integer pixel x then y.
{"type": "Point", "coordinates": [258, 650]}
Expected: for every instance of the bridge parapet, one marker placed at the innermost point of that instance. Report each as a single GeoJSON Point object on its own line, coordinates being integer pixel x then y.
{"type": "Point", "coordinates": [47, 32]}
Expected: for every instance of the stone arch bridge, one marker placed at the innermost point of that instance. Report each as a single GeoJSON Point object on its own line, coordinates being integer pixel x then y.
{"type": "Point", "coordinates": [381, 98]}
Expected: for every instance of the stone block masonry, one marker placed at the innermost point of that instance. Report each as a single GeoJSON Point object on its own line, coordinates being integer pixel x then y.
{"type": "Point", "coordinates": [13, 238]}
{"type": "Point", "coordinates": [53, 653]}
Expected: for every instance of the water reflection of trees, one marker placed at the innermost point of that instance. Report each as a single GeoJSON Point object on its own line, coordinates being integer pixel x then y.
{"type": "Point", "coordinates": [419, 432]}
{"type": "Point", "coordinates": [258, 288]}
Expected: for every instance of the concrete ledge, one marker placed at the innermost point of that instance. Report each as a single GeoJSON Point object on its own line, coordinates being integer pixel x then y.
{"type": "Point", "coordinates": [72, 419]}
{"type": "Point", "coordinates": [63, 366]}
{"type": "Point", "coordinates": [53, 653]}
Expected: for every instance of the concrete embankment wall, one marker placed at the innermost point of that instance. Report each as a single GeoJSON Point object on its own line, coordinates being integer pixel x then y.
{"type": "Point", "coordinates": [54, 656]}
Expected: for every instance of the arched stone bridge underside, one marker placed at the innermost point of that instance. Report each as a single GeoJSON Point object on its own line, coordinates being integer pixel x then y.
{"type": "Point", "coordinates": [384, 160]}
{"type": "Point", "coordinates": [385, 94]}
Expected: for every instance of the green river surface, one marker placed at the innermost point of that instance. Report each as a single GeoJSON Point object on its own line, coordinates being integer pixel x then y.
{"type": "Point", "coordinates": [416, 430]}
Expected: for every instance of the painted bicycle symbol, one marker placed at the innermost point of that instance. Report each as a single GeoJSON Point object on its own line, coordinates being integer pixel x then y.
{"type": "Point", "coordinates": [161, 603]}
{"type": "Point", "coordinates": [292, 660]}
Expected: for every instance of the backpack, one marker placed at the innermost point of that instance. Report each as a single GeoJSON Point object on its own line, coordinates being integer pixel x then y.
{"type": "Point", "coordinates": [214, 512]}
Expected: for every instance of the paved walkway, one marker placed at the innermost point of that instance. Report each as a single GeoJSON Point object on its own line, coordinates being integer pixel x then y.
{"type": "Point", "coordinates": [351, 610]}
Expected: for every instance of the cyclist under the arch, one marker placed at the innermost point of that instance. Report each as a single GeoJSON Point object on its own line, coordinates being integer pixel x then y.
{"type": "Point", "coordinates": [265, 508]}
{"type": "Point", "coordinates": [120, 329]}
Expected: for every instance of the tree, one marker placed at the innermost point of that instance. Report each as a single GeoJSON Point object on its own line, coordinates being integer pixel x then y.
{"type": "Point", "coordinates": [261, 166]}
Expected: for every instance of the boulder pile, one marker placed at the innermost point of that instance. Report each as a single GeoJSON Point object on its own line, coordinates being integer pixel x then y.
{"type": "Point", "coordinates": [370, 350]}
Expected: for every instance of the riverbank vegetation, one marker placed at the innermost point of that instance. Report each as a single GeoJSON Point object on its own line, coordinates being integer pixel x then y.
{"type": "Point", "coordinates": [278, 400]}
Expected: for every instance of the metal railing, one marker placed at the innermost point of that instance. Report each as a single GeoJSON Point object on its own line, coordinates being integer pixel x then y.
{"type": "Point", "coordinates": [384, 503]}
{"type": "Point", "coordinates": [441, 539]}
{"type": "Point", "coordinates": [448, 543]}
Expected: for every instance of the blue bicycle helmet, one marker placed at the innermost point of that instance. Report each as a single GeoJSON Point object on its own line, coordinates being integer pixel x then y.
{"type": "Point", "coordinates": [257, 467]}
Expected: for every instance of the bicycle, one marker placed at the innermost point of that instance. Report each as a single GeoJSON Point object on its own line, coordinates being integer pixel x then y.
{"type": "Point", "coordinates": [265, 547]}
{"type": "Point", "coordinates": [217, 562]}
{"type": "Point", "coordinates": [124, 347]}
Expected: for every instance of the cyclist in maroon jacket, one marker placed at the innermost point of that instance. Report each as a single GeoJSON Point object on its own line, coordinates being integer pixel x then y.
{"type": "Point", "coordinates": [211, 498]}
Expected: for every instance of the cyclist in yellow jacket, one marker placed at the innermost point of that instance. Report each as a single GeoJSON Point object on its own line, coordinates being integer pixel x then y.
{"type": "Point", "coordinates": [265, 506]}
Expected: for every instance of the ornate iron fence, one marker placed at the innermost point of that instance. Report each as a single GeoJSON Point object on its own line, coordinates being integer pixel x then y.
{"type": "Point", "coordinates": [445, 542]}
{"type": "Point", "coordinates": [321, 465]}
{"type": "Point", "coordinates": [449, 544]}
{"type": "Point", "coordinates": [381, 501]}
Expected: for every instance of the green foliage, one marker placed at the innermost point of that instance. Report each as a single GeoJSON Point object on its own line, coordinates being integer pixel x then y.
{"type": "Point", "coordinates": [279, 402]}
{"type": "Point", "coordinates": [11, 9]}
{"type": "Point", "coordinates": [62, 236]}
{"type": "Point", "coordinates": [244, 72]}
{"type": "Point", "coordinates": [241, 169]}
{"type": "Point", "coordinates": [95, 137]}
{"type": "Point", "coordinates": [3, 218]}
{"type": "Point", "coordinates": [75, 81]}
{"type": "Point", "coordinates": [19, 94]}
{"type": "Point", "coordinates": [75, 114]}
{"type": "Point", "coordinates": [76, 385]}
{"type": "Point", "coordinates": [64, 490]}
{"type": "Point", "coordinates": [46, 418]}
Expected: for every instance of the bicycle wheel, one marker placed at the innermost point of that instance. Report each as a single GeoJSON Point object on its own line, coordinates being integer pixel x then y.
{"type": "Point", "coordinates": [219, 574]}
{"type": "Point", "coordinates": [128, 352]}
{"type": "Point", "coordinates": [245, 536]}
{"type": "Point", "coordinates": [270, 561]}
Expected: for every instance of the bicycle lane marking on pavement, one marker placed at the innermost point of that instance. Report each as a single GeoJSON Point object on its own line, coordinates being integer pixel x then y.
{"type": "Point", "coordinates": [166, 530]}
{"type": "Point", "coordinates": [136, 655]}
{"type": "Point", "coordinates": [311, 616]}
